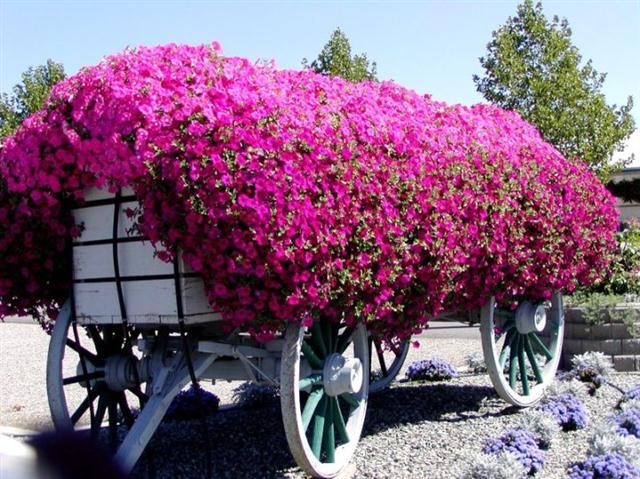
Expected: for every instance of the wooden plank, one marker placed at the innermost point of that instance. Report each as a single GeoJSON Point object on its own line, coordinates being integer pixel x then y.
{"type": "Point", "coordinates": [145, 301]}
{"type": "Point", "coordinates": [137, 258]}
{"type": "Point", "coordinates": [98, 222]}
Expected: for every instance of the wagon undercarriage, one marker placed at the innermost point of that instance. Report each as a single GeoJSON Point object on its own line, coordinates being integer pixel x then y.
{"type": "Point", "coordinates": [323, 374]}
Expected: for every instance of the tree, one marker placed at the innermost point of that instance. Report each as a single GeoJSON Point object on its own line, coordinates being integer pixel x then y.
{"type": "Point", "coordinates": [532, 67]}
{"type": "Point", "coordinates": [335, 59]}
{"type": "Point", "coordinates": [28, 97]}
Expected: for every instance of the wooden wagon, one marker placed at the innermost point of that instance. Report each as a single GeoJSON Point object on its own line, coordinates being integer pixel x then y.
{"type": "Point", "coordinates": [137, 328]}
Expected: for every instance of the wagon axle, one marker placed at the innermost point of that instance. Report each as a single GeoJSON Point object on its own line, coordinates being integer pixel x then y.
{"type": "Point", "coordinates": [117, 372]}
{"type": "Point", "coordinates": [530, 318]}
{"type": "Point", "coordinates": [342, 375]}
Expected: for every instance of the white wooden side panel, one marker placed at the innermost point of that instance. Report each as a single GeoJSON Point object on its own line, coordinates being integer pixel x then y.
{"type": "Point", "coordinates": [96, 261]}
{"type": "Point", "coordinates": [194, 298]}
{"type": "Point", "coordinates": [98, 221]}
{"type": "Point", "coordinates": [146, 301]}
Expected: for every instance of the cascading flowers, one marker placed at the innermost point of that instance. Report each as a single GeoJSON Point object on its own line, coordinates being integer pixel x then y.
{"type": "Point", "coordinates": [296, 195]}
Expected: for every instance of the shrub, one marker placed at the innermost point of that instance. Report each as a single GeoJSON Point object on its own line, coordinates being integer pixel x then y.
{"type": "Point", "coordinates": [541, 424]}
{"type": "Point", "coordinates": [568, 385]}
{"type": "Point", "coordinates": [256, 394]}
{"type": "Point", "coordinates": [633, 393]}
{"type": "Point", "coordinates": [522, 444]}
{"type": "Point", "coordinates": [629, 404]}
{"type": "Point", "coordinates": [600, 308]}
{"type": "Point", "coordinates": [493, 466]}
{"type": "Point", "coordinates": [567, 409]}
{"type": "Point", "coordinates": [476, 363]}
{"type": "Point", "coordinates": [431, 369]}
{"type": "Point", "coordinates": [592, 367]}
{"type": "Point", "coordinates": [608, 466]}
{"type": "Point", "coordinates": [187, 404]}
{"type": "Point", "coordinates": [628, 422]}
{"type": "Point", "coordinates": [624, 275]}
{"type": "Point", "coordinates": [606, 440]}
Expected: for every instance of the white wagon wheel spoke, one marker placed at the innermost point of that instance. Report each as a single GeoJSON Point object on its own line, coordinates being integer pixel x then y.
{"type": "Point", "coordinates": [324, 388]}
{"type": "Point", "coordinates": [87, 394]}
{"type": "Point", "coordinates": [522, 348]}
{"type": "Point", "coordinates": [386, 364]}
{"type": "Point", "coordinates": [89, 356]}
{"type": "Point", "coordinates": [85, 405]}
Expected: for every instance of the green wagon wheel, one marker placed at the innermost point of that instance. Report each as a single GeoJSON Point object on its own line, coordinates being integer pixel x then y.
{"type": "Point", "coordinates": [385, 364]}
{"type": "Point", "coordinates": [522, 348]}
{"type": "Point", "coordinates": [324, 385]}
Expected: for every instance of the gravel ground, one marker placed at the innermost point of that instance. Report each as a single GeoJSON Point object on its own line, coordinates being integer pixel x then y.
{"type": "Point", "coordinates": [412, 430]}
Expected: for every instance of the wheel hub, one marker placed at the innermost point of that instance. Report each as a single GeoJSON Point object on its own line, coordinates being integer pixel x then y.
{"type": "Point", "coordinates": [118, 372]}
{"type": "Point", "coordinates": [342, 375]}
{"type": "Point", "coordinates": [530, 318]}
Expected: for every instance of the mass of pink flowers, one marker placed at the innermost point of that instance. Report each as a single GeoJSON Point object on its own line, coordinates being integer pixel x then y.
{"type": "Point", "coordinates": [297, 195]}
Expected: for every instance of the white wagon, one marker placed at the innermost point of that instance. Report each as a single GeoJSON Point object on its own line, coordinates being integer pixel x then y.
{"type": "Point", "coordinates": [139, 328]}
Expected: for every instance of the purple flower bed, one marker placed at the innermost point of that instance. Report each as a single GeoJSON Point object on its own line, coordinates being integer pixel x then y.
{"type": "Point", "coordinates": [567, 409]}
{"type": "Point", "coordinates": [522, 444]}
{"type": "Point", "coordinates": [187, 405]}
{"type": "Point", "coordinates": [633, 393]}
{"type": "Point", "coordinates": [608, 466]}
{"type": "Point", "coordinates": [432, 369]}
{"type": "Point", "coordinates": [628, 422]}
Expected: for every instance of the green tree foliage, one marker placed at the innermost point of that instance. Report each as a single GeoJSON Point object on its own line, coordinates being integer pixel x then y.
{"type": "Point", "coordinates": [533, 67]}
{"type": "Point", "coordinates": [335, 59]}
{"type": "Point", "coordinates": [29, 96]}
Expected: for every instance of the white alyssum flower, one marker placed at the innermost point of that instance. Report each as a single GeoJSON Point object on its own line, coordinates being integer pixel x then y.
{"type": "Point", "coordinates": [492, 466]}
{"type": "Point", "coordinates": [605, 440]}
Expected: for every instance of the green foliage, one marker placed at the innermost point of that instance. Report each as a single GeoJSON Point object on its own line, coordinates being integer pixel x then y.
{"type": "Point", "coordinates": [29, 96]}
{"type": "Point", "coordinates": [532, 67]}
{"type": "Point", "coordinates": [624, 275]}
{"type": "Point", "coordinates": [335, 59]}
{"type": "Point", "coordinates": [601, 308]}
{"type": "Point", "coordinates": [621, 284]}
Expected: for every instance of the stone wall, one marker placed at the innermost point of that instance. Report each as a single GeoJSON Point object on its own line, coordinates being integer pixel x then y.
{"type": "Point", "coordinates": [611, 338]}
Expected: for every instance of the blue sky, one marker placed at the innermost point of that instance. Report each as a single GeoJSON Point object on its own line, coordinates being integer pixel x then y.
{"type": "Point", "coordinates": [430, 46]}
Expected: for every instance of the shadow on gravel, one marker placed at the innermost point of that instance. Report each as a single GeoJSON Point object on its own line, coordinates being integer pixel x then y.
{"type": "Point", "coordinates": [409, 403]}
{"type": "Point", "coordinates": [243, 442]}
{"type": "Point", "coordinates": [250, 442]}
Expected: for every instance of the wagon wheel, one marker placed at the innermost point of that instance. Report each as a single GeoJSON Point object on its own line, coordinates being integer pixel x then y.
{"type": "Point", "coordinates": [522, 348]}
{"type": "Point", "coordinates": [90, 376]}
{"type": "Point", "coordinates": [385, 365]}
{"type": "Point", "coordinates": [324, 387]}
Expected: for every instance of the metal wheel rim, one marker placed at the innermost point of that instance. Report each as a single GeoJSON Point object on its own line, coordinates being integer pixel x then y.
{"type": "Point", "coordinates": [378, 384]}
{"type": "Point", "coordinates": [104, 403]}
{"type": "Point", "coordinates": [502, 375]}
{"type": "Point", "coordinates": [293, 411]}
